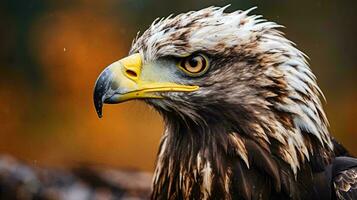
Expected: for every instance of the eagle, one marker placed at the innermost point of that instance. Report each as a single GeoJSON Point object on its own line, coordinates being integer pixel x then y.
{"type": "Point", "coordinates": [242, 110]}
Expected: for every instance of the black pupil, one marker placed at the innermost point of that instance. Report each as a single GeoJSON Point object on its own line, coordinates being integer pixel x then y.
{"type": "Point", "coordinates": [193, 61]}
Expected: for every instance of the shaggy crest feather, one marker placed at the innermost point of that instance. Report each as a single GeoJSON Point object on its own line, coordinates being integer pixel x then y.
{"type": "Point", "coordinates": [211, 29]}
{"type": "Point", "coordinates": [269, 95]}
{"type": "Point", "coordinates": [242, 110]}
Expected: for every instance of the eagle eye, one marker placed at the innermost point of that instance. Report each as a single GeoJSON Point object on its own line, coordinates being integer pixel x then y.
{"type": "Point", "coordinates": [194, 65]}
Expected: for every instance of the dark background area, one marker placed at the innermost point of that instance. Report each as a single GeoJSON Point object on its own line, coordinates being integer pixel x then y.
{"type": "Point", "coordinates": [52, 52]}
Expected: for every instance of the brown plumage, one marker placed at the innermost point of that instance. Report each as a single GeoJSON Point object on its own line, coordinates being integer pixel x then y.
{"type": "Point", "coordinates": [248, 124]}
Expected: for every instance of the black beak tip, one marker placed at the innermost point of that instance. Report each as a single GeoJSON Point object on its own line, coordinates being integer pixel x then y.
{"type": "Point", "coordinates": [98, 104]}
{"type": "Point", "coordinates": [99, 112]}
{"type": "Point", "coordinates": [100, 89]}
{"type": "Point", "coordinates": [99, 92]}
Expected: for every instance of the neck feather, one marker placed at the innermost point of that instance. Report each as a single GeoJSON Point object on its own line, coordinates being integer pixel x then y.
{"type": "Point", "coordinates": [201, 161]}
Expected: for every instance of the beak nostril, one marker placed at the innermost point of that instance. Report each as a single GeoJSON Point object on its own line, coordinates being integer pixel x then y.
{"type": "Point", "coordinates": [131, 73]}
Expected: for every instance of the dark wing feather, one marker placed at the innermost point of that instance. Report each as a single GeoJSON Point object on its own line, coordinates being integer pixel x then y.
{"type": "Point", "coordinates": [344, 173]}
{"type": "Point", "coordinates": [345, 184]}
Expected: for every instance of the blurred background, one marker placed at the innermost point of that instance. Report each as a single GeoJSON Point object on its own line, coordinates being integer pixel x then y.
{"type": "Point", "coordinates": [53, 50]}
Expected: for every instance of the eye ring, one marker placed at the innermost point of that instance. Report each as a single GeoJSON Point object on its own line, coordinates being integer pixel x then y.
{"type": "Point", "coordinates": [194, 65]}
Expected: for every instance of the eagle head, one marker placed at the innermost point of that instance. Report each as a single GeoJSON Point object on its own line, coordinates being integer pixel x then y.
{"type": "Point", "coordinates": [230, 86]}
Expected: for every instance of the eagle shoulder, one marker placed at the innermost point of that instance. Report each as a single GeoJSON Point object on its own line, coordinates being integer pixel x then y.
{"type": "Point", "coordinates": [345, 178]}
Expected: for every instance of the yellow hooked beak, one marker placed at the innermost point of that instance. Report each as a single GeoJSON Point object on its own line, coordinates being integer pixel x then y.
{"type": "Point", "coordinates": [122, 81]}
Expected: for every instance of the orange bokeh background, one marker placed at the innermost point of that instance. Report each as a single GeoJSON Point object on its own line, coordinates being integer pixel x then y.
{"type": "Point", "coordinates": [47, 115]}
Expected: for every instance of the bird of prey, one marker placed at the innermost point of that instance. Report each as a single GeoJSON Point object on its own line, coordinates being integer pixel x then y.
{"type": "Point", "coordinates": [242, 110]}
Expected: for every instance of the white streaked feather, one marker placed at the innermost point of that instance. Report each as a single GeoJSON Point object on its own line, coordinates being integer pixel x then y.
{"type": "Point", "coordinates": [239, 29]}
